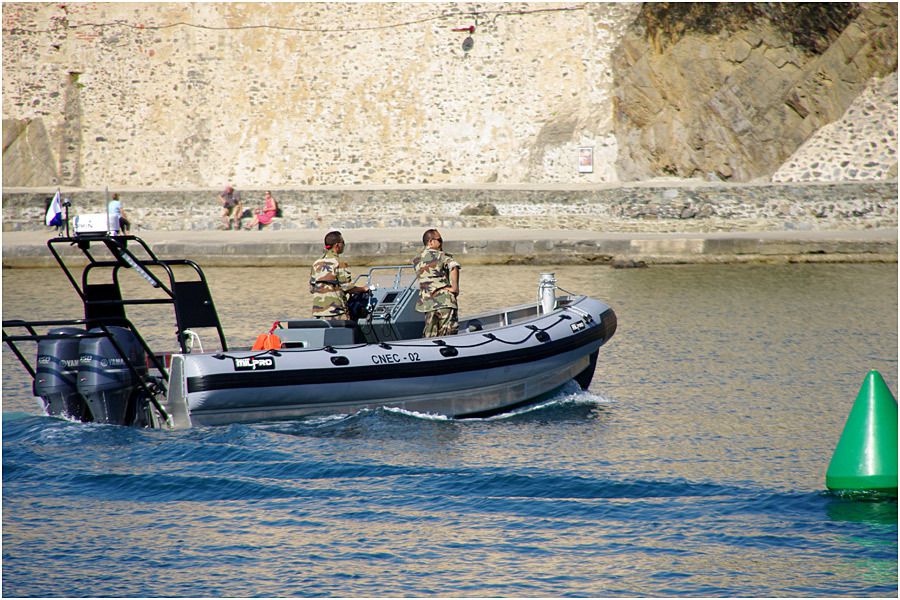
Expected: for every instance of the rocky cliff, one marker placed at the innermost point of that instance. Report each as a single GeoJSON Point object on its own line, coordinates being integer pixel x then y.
{"type": "Point", "coordinates": [730, 91]}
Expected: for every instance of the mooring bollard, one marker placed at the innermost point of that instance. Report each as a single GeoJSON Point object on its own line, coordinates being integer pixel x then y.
{"type": "Point", "coordinates": [865, 458]}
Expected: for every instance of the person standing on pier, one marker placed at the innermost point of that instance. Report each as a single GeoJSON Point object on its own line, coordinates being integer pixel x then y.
{"type": "Point", "coordinates": [438, 275]}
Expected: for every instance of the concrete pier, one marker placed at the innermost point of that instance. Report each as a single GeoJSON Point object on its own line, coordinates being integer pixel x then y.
{"type": "Point", "coordinates": [299, 247]}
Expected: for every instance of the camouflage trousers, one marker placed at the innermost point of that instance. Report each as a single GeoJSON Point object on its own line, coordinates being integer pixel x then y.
{"type": "Point", "coordinates": [443, 321]}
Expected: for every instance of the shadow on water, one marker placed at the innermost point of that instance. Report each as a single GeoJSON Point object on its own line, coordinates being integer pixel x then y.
{"type": "Point", "coordinates": [862, 507]}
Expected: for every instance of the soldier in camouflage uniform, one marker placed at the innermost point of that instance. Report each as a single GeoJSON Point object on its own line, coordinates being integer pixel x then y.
{"type": "Point", "coordinates": [438, 275]}
{"type": "Point", "coordinates": [330, 281]}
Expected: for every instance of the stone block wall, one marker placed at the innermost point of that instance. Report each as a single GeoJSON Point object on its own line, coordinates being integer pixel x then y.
{"type": "Point", "coordinates": [291, 94]}
{"type": "Point", "coordinates": [662, 207]}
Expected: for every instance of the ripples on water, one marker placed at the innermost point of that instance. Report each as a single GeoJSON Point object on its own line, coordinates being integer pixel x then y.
{"type": "Point", "coordinates": [694, 466]}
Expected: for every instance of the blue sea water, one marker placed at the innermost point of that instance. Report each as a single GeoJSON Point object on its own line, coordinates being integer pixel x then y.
{"type": "Point", "coordinates": [693, 466]}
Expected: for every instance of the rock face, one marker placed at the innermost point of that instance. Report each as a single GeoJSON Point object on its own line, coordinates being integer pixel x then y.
{"type": "Point", "coordinates": [729, 92]}
{"type": "Point", "coordinates": [482, 209]}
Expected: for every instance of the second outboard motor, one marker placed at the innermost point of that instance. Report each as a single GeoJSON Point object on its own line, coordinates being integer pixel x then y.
{"type": "Point", "coordinates": [57, 374]}
{"type": "Point", "coordinates": [104, 378]}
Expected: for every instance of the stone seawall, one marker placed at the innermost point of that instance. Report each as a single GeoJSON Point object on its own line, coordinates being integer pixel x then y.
{"type": "Point", "coordinates": [659, 207]}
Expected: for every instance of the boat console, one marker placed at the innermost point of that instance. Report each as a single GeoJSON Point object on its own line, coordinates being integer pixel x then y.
{"type": "Point", "coordinates": [386, 314]}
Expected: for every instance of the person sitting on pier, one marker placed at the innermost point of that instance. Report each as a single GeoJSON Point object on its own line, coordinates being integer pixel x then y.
{"type": "Point", "coordinates": [264, 217]}
{"type": "Point", "coordinates": [118, 222]}
{"type": "Point", "coordinates": [231, 207]}
{"type": "Point", "coordinates": [330, 281]}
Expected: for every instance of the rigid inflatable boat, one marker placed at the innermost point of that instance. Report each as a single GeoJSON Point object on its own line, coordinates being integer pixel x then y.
{"type": "Point", "coordinates": [100, 368]}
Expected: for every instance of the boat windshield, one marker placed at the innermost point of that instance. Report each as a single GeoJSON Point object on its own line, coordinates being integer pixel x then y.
{"type": "Point", "coordinates": [396, 276]}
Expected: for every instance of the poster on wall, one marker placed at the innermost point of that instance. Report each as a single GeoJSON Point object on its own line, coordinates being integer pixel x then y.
{"type": "Point", "coordinates": [586, 159]}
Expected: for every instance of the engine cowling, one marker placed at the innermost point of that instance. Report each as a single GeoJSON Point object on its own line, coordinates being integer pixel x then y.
{"type": "Point", "coordinates": [57, 375]}
{"type": "Point", "coordinates": [104, 378]}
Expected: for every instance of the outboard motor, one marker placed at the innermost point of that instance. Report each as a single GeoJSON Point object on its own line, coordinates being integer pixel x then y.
{"type": "Point", "coordinates": [57, 374]}
{"type": "Point", "coordinates": [104, 378]}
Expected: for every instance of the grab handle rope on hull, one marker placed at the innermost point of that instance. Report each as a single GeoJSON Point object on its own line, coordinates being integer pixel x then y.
{"type": "Point", "coordinates": [534, 331]}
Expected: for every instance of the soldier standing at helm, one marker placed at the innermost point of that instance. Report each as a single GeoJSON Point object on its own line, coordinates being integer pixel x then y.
{"type": "Point", "coordinates": [438, 275]}
{"type": "Point", "coordinates": [330, 281]}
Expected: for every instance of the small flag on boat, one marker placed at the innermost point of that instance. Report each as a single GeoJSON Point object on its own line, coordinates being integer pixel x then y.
{"type": "Point", "coordinates": [54, 212]}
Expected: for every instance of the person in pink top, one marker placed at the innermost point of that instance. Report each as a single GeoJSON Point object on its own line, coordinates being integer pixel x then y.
{"type": "Point", "coordinates": [264, 217]}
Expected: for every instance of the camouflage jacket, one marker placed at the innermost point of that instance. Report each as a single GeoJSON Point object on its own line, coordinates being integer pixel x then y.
{"type": "Point", "coordinates": [433, 272]}
{"type": "Point", "coordinates": [329, 297]}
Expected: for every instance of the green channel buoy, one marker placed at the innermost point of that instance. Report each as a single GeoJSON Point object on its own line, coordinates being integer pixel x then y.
{"type": "Point", "coordinates": [866, 455]}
